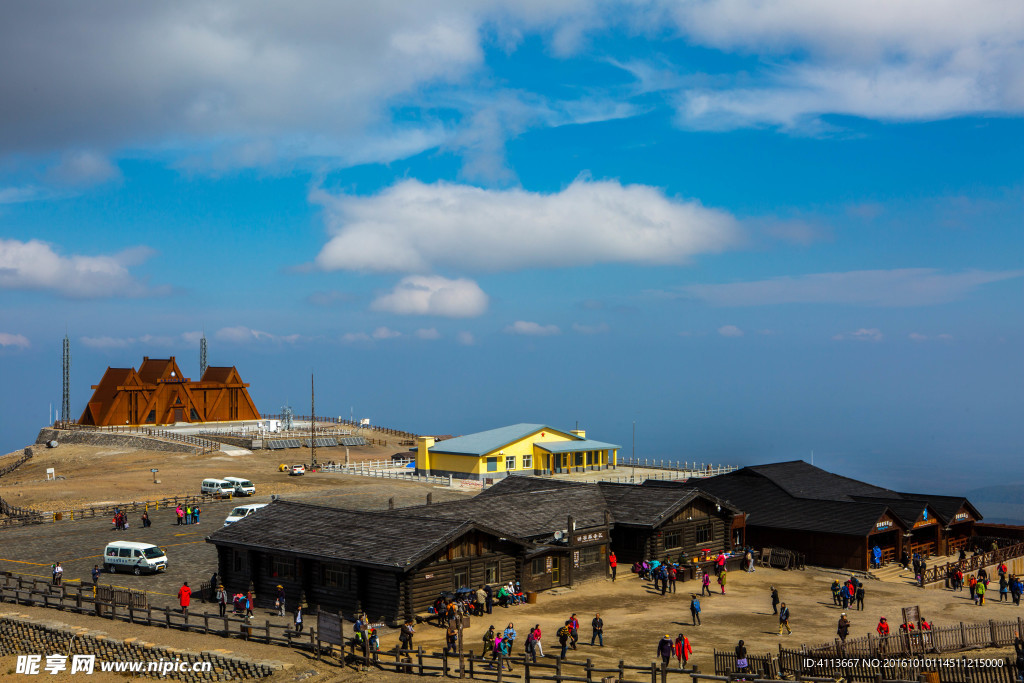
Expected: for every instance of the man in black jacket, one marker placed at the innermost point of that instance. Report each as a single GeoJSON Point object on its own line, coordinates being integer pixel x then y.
{"type": "Point", "coordinates": [490, 597]}
{"type": "Point", "coordinates": [597, 624]}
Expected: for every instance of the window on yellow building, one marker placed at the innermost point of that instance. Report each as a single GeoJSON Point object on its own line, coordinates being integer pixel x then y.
{"type": "Point", "coordinates": [492, 464]}
{"type": "Point", "coordinates": [527, 461]}
{"type": "Point", "coordinates": [510, 462]}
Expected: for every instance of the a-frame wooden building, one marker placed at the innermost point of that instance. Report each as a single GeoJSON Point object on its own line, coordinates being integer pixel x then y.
{"type": "Point", "coordinates": [159, 394]}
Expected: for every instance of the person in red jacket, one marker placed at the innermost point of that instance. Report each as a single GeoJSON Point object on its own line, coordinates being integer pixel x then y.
{"type": "Point", "coordinates": [683, 650]}
{"type": "Point", "coordinates": [883, 634]}
{"type": "Point", "coordinates": [613, 562]}
{"type": "Point", "coordinates": [184, 598]}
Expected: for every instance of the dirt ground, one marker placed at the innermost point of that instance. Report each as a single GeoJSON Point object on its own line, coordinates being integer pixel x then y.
{"type": "Point", "coordinates": [635, 618]}
{"type": "Point", "coordinates": [96, 474]}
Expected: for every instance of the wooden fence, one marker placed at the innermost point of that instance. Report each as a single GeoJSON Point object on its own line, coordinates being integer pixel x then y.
{"type": "Point", "coordinates": [7, 469]}
{"type": "Point", "coordinates": [18, 516]}
{"type": "Point", "coordinates": [485, 667]}
{"type": "Point", "coordinates": [972, 564]}
{"type": "Point", "coordinates": [199, 444]}
{"type": "Point", "coordinates": [686, 468]}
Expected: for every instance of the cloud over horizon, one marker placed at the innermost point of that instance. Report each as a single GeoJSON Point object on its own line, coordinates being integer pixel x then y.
{"type": "Point", "coordinates": [899, 287]}
{"type": "Point", "coordinates": [433, 295]}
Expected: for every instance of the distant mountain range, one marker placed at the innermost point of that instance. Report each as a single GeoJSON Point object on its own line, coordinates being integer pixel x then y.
{"type": "Point", "coordinates": [1000, 504]}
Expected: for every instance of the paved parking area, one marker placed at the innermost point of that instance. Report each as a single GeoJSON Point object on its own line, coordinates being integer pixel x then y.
{"type": "Point", "coordinates": [79, 544]}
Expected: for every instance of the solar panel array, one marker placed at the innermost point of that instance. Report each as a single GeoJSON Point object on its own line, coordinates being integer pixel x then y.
{"type": "Point", "coordinates": [326, 442]}
{"type": "Point", "coordinates": [275, 445]}
{"type": "Point", "coordinates": [283, 443]}
{"type": "Point", "coordinates": [352, 441]}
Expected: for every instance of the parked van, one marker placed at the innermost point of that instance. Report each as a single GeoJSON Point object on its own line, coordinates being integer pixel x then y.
{"type": "Point", "coordinates": [243, 487]}
{"type": "Point", "coordinates": [128, 556]}
{"type": "Point", "coordinates": [243, 511]}
{"type": "Point", "coordinates": [218, 487]}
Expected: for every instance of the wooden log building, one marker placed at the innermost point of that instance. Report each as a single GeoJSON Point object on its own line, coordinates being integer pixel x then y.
{"type": "Point", "coordinates": [836, 521]}
{"type": "Point", "coordinates": [159, 394]}
{"type": "Point", "coordinates": [394, 564]}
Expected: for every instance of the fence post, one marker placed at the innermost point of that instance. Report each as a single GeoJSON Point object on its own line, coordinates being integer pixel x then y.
{"type": "Point", "coordinates": [622, 671]}
{"type": "Point", "coordinates": [654, 672]}
{"type": "Point", "coordinates": [963, 636]}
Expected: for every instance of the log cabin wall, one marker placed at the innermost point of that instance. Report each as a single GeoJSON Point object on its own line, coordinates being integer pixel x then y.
{"type": "Point", "coordinates": [829, 550]}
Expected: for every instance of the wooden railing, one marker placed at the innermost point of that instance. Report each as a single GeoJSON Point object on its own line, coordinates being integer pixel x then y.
{"type": "Point", "coordinates": [688, 469]}
{"type": "Point", "coordinates": [972, 564]}
{"type": "Point", "coordinates": [18, 516]}
{"type": "Point", "coordinates": [200, 444]}
{"type": "Point", "coordinates": [7, 469]}
{"type": "Point", "coordinates": [483, 666]}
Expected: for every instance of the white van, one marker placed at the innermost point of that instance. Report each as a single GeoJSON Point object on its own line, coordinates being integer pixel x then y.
{"type": "Point", "coordinates": [128, 556]}
{"type": "Point", "coordinates": [218, 487]}
{"type": "Point", "coordinates": [243, 487]}
{"type": "Point", "coordinates": [243, 511]}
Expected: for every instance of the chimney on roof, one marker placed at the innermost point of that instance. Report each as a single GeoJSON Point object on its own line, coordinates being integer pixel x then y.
{"type": "Point", "coordinates": [582, 433]}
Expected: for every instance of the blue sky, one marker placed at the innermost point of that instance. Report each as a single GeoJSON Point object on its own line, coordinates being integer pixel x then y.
{"type": "Point", "coordinates": [755, 228]}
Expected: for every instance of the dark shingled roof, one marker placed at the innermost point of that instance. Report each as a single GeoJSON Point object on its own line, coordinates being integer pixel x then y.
{"type": "Point", "coordinates": [532, 507]}
{"type": "Point", "coordinates": [354, 536]}
{"type": "Point", "coordinates": [797, 495]}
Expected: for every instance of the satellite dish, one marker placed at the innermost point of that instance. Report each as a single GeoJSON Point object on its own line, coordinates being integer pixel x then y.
{"type": "Point", "coordinates": [559, 535]}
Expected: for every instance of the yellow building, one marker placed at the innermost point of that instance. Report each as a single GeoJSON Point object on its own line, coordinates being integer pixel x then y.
{"type": "Point", "coordinates": [516, 449]}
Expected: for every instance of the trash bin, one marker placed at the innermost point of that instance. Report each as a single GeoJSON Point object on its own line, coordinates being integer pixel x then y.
{"type": "Point", "coordinates": [58, 516]}
{"type": "Point", "coordinates": [531, 597]}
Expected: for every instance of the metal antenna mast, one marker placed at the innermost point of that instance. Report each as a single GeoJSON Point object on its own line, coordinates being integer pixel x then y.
{"type": "Point", "coordinates": [65, 405]}
{"type": "Point", "coordinates": [312, 423]}
{"type": "Point", "coordinates": [202, 356]}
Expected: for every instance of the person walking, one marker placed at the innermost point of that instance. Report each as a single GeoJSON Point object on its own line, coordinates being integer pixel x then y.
{"type": "Point", "coordinates": [980, 590]}
{"type": "Point", "coordinates": [481, 599]}
{"type": "Point", "coordinates": [222, 599]}
{"type": "Point", "coordinates": [1004, 588]}
{"type": "Point", "coordinates": [860, 597]}
{"type": "Point", "coordinates": [58, 574]}
{"type": "Point", "coordinates": [489, 597]}
{"type": "Point", "coordinates": [95, 574]}
{"type": "Point", "coordinates": [195, 514]}
{"type": "Point", "coordinates": [488, 642]}
{"type": "Point", "coordinates": [563, 638]}
{"type": "Point", "coordinates": [145, 520]}
{"type": "Point", "coordinates": [683, 650]}
{"type": "Point", "coordinates": [510, 636]}
{"type": "Point", "coordinates": [250, 603]}
{"type": "Point", "coordinates": [666, 648]}
{"type": "Point", "coordinates": [706, 582]}
{"type": "Point", "coordinates": [721, 579]}
{"type": "Point", "coordinates": [180, 514]}
{"type": "Point", "coordinates": [695, 609]}
{"type": "Point", "coordinates": [298, 618]}
{"type": "Point", "coordinates": [883, 634]}
{"type": "Point", "coordinates": [574, 631]}
{"type": "Point", "coordinates": [184, 598]}
{"type": "Point", "coordinates": [538, 647]}
{"type": "Point", "coordinates": [597, 629]}
{"type": "Point", "coordinates": [843, 629]}
{"type": "Point", "coordinates": [279, 601]}
{"type": "Point", "coordinates": [406, 634]}
{"type": "Point", "coordinates": [673, 574]}
{"type": "Point", "coordinates": [530, 646]}
{"type": "Point", "coordinates": [613, 563]}
{"type": "Point", "coordinates": [775, 600]}
{"type": "Point", "coordinates": [663, 576]}
{"type": "Point", "coordinates": [784, 619]}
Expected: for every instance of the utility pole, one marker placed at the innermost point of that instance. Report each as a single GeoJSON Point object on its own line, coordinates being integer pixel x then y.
{"type": "Point", "coordinates": [312, 423]}
{"type": "Point", "coordinates": [65, 405]}
{"type": "Point", "coordinates": [632, 477]}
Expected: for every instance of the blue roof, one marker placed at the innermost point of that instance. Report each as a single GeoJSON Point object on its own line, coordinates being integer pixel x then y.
{"type": "Point", "coordinates": [575, 446]}
{"type": "Point", "coordinates": [484, 442]}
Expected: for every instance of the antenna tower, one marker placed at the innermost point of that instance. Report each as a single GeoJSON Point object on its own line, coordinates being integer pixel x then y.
{"type": "Point", "coordinates": [312, 423]}
{"type": "Point", "coordinates": [202, 356]}
{"type": "Point", "coordinates": [65, 404]}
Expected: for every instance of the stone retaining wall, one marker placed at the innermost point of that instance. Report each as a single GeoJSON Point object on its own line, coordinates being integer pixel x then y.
{"type": "Point", "coordinates": [91, 438]}
{"type": "Point", "coordinates": [20, 635]}
{"type": "Point", "coordinates": [239, 441]}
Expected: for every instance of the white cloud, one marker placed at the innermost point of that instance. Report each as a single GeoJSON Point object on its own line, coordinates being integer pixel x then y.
{"type": "Point", "coordinates": [434, 295]}
{"type": "Point", "coordinates": [918, 337]}
{"type": "Point", "coordinates": [911, 60]}
{"type": "Point", "coordinates": [428, 333]}
{"type": "Point", "coordinates": [385, 333]}
{"type": "Point", "coordinates": [871, 334]}
{"type": "Point", "coordinates": [466, 338]}
{"type": "Point", "coordinates": [148, 340]}
{"type": "Point", "coordinates": [239, 334]}
{"type": "Point", "coordinates": [18, 341]}
{"type": "Point", "coordinates": [19, 195]}
{"type": "Point", "coordinates": [600, 328]}
{"type": "Point", "coordinates": [900, 287]}
{"type": "Point", "coordinates": [532, 329]}
{"type": "Point", "coordinates": [84, 169]}
{"type": "Point", "coordinates": [414, 227]}
{"type": "Point", "coordinates": [34, 265]}
{"type": "Point", "coordinates": [730, 331]}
